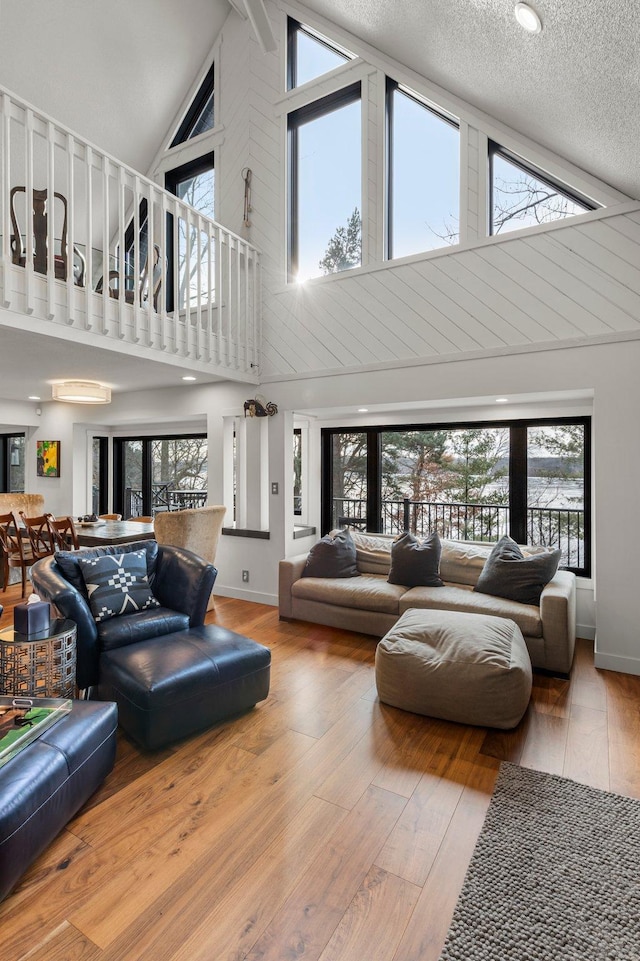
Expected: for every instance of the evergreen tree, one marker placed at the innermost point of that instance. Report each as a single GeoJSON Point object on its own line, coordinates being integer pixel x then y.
{"type": "Point", "coordinates": [344, 250]}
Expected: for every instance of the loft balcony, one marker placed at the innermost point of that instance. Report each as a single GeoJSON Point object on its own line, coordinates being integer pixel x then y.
{"type": "Point", "coordinates": [133, 267]}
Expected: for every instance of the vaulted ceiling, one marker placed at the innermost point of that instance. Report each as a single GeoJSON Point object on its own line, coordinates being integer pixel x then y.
{"type": "Point", "coordinates": [117, 72]}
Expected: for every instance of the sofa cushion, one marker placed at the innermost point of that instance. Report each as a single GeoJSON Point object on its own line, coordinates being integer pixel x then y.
{"type": "Point", "coordinates": [369, 592]}
{"type": "Point", "coordinates": [141, 626]}
{"type": "Point", "coordinates": [69, 561]}
{"type": "Point", "coordinates": [373, 552]}
{"type": "Point", "coordinates": [462, 561]}
{"type": "Point", "coordinates": [334, 555]}
{"type": "Point", "coordinates": [466, 600]}
{"type": "Point", "coordinates": [509, 573]}
{"type": "Point", "coordinates": [415, 563]}
{"type": "Point", "coordinates": [117, 584]}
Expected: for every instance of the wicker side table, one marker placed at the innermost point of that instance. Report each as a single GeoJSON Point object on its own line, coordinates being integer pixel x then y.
{"type": "Point", "coordinates": [39, 665]}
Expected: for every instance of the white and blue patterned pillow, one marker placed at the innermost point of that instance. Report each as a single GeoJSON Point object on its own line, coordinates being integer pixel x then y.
{"type": "Point", "coordinates": [117, 584]}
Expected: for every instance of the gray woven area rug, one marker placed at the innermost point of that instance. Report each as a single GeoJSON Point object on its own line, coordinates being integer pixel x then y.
{"type": "Point", "coordinates": [555, 875]}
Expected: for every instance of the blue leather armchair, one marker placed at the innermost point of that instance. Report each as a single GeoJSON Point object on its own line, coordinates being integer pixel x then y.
{"type": "Point", "coordinates": [180, 580]}
{"type": "Point", "coordinates": [169, 673]}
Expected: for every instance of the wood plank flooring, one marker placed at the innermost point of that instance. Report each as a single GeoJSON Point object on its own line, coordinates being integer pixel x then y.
{"type": "Point", "coordinates": [321, 826]}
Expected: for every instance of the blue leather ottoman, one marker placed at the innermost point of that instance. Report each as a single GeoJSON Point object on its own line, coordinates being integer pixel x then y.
{"type": "Point", "coordinates": [43, 786]}
{"type": "Point", "coordinates": [172, 686]}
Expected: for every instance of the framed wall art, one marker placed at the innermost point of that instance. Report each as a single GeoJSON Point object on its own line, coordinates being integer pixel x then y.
{"type": "Point", "coordinates": [48, 458]}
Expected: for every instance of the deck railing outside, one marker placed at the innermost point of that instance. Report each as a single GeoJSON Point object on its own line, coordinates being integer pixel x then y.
{"type": "Point", "coordinates": [130, 260]}
{"type": "Point", "coordinates": [549, 527]}
{"type": "Point", "coordinates": [163, 498]}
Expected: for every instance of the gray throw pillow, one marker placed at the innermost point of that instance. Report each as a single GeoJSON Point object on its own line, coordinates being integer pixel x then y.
{"type": "Point", "coordinates": [508, 573]}
{"type": "Point", "coordinates": [117, 584]}
{"type": "Point", "coordinates": [415, 563]}
{"type": "Point", "coordinates": [333, 556]}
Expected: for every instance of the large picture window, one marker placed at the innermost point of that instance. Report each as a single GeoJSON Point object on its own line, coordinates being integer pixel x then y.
{"type": "Point", "coordinates": [424, 175]}
{"type": "Point", "coordinates": [325, 176]}
{"type": "Point", "coordinates": [528, 479]}
{"type": "Point", "coordinates": [153, 474]}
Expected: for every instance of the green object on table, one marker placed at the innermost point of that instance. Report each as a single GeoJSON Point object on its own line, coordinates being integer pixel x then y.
{"type": "Point", "coordinates": [24, 719]}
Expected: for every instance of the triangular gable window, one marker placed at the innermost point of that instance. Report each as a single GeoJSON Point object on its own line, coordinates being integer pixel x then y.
{"type": "Point", "coordinates": [200, 116]}
{"type": "Point", "coordinates": [522, 196]}
{"type": "Point", "coordinates": [310, 55]}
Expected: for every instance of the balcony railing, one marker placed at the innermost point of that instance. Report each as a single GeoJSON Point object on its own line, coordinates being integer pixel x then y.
{"type": "Point", "coordinates": [549, 527]}
{"type": "Point", "coordinates": [130, 261]}
{"type": "Point", "coordinates": [163, 498]}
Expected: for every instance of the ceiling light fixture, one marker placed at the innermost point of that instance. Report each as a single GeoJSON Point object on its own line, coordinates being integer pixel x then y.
{"type": "Point", "coordinates": [33, 397]}
{"type": "Point", "coordinates": [502, 400]}
{"type": "Point", "coordinates": [81, 392]}
{"type": "Point", "coordinates": [188, 377]}
{"type": "Point", "coordinates": [527, 18]}
{"type": "Point", "coordinates": [363, 410]}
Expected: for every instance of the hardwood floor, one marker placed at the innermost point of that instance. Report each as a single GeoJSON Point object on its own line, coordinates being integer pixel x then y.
{"type": "Point", "coordinates": [322, 825]}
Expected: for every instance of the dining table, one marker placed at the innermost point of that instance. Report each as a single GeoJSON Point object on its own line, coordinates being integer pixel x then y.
{"type": "Point", "coordinates": [105, 533]}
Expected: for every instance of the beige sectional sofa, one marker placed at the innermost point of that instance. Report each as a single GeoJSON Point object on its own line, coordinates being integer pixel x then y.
{"type": "Point", "coordinates": [369, 604]}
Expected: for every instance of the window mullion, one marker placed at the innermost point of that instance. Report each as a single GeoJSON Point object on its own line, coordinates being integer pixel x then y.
{"type": "Point", "coordinates": [374, 480]}
{"type": "Point", "coordinates": [518, 484]}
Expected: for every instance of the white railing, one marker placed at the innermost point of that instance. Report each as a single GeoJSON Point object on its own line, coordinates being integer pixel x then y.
{"type": "Point", "coordinates": [196, 296]}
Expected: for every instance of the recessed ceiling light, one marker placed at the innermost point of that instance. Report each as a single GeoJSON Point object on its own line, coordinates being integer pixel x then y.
{"type": "Point", "coordinates": [527, 18]}
{"type": "Point", "coordinates": [363, 410]}
{"type": "Point", "coordinates": [502, 400]}
{"type": "Point", "coordinates": [33, 397]}
{"type": "Point", "coordinates": [188, 377]}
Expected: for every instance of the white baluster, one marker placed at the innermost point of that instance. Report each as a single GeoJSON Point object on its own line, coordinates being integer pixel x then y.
{"type": "Point", "coordinates": [71, 293]}
{"type": "Point", "coordinates": [5, 201]}
{"type": "Point", "coordinates": [28, 203]}
{"type": "Point", "coordinates": [105, 242]}
{"type": "Point", "coordinates": [121, 255]}
{"type": "Point", "coordinates": [88, 280]}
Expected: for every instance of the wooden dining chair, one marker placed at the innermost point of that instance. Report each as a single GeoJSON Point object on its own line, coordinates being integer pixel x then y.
{"type": "Point", "coordinates": [37, 529]}
{"type": "Point", "coordinates": [137, 291]}
{"type": "Point", "coordinates": [16, 550]}
{"type": "Point", "coordinates": [141, 519]}
{"type": "Point", "coordinates": [110, 517]}
{"type": "Point", "coordinates": [41, 209]}
{"type": "Point", "coordinates": [62, 532]}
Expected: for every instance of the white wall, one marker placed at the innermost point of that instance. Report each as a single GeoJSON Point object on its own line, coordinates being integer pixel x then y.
{"type": "Point", "coordinates": [579, 282]}
{"type": "Point", "coordinates": [575, 280]}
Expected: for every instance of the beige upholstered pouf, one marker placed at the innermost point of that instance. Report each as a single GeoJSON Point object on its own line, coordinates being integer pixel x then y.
{"type": "Point", "coordinates": [471, 668]}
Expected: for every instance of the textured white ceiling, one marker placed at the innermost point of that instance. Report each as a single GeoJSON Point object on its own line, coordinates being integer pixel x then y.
{"type": "Point", "coordinates": [115, 71]}
{"type": "Point", "coordinates": [574, 88]}
{"type": "Point", "coordinates": [118, 71]}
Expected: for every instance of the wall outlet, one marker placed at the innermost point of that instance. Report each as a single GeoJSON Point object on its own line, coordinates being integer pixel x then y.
{"type": "Point", "coordinates": [274, 487]}
{"type": "Point", "coordinates": [245, 577]}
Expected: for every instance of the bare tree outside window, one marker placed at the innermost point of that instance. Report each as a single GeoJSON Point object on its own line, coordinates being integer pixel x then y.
{"type": "Point", "coordinates": [522, 200]}
{"type": "Point", "coordinates": [193, 263]}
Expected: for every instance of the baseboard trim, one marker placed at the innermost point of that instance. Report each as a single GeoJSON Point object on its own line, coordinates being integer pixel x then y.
{"type": "Point", "coordinates": [587, 631]}
{"type": "Point", "coordinates": [242, 595]}
{"type": "Point", "coordinates": [616, 662]}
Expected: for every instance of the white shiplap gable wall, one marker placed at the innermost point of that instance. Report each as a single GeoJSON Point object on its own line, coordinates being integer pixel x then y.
{"type": "Point", "coordinates": [573, 280]}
